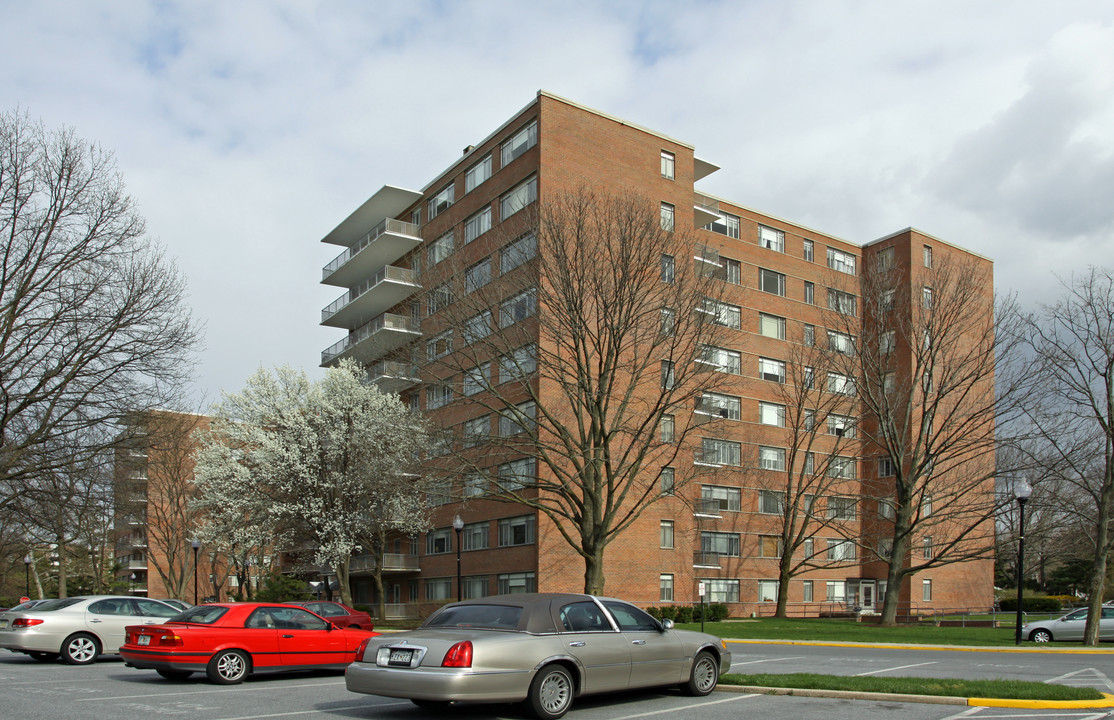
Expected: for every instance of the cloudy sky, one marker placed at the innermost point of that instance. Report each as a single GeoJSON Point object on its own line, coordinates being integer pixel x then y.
{"type": "Point", "coordinates": [248, 130]}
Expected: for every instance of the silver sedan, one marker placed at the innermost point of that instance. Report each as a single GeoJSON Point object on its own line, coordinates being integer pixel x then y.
{"type": "Point", "coordinates": [79, 629]}
{"type": "Point", "coordinates": [1069, 627]}
{"type": "Point", "coordinates": [544, 648]}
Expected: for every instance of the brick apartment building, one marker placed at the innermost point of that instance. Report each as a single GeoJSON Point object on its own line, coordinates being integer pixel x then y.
{"type": "Point", "coordinates": [781, 282]}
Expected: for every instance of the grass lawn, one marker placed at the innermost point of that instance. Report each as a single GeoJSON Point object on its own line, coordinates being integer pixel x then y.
{"type": "Point", "coordinates": [1009, 689]}
{"type": "Point", "coordinates": [924, 633]}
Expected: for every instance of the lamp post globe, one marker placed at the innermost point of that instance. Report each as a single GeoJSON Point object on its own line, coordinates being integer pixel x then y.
{"type": "Point", "coordinates": [26, 575]}
{"type": "Point", "coordinates": [458, 525]}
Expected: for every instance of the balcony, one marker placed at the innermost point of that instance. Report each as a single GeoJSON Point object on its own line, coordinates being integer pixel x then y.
{"type": "Point", "coordinates": [705, 559]}
{"type": "Point", "coordinates": [705, 209]}
{"type": "Point", "coordinates": [393, 376]}
{"type": "Point", "coordinates": [706, 457]}
{"type": "Point", "coordinates": [385, 289]}
{"type": "Point", "coordinates": [137, 564]}
{"type": "Point", "coordinates": [374, 339]}
{"type": "Point", "coordinates": [387, 242]}
{"type": "Point", "coordinates": [392, 562]}
{"type": "Point", "coordinates": [707, 508]}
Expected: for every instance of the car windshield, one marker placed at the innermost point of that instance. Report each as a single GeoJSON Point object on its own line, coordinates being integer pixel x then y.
{"type": "Point", "coordinates": [57, 604]}
{"type": "Point", "coordinates": [497, 617]}
{"type": "Point", "coordinates": [200, 615]}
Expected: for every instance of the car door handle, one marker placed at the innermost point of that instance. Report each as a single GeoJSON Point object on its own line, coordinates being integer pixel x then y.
{"type": "Point", "coordinates": [288, 636]}
{"type": "Point", "coordinates": [151, 622]}
{"type": "Point", "coordinates": [637, 642]}
{"type": "Point", "coordinates": [578, 643]}
{"type": "Point", "coordinates": [95, 620]}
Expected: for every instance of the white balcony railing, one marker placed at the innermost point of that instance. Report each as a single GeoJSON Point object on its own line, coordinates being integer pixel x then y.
{"type": "Point", "coordinates": [386, 321]}
{"type": "Point", "coordinates": [389, 225]}
{"type": "Point", "coordinates": [388, 273]}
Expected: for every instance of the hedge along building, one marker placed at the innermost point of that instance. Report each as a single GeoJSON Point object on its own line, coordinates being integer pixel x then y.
{"type": "Point", "coordinates": [493, 300]}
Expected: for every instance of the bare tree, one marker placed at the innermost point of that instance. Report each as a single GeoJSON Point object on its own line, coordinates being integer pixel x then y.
{"type": "Point", "coordinates": [94, 322]}
{"type": "Point", "coordinates": [598, 330]}
{"type": "Point", "coordinates": [925, 373]}
{"type": "Point", "coordinates": [1070, 410]}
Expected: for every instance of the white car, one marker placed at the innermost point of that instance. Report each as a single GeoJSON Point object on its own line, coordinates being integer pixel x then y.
{"type": "Point", "coordinates": [1069, 627]}
{"type": "Point", "coordinates": [79, 629]}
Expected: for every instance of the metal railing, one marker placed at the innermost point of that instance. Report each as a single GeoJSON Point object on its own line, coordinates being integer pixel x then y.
{"type": "Point", "coordinates": [705, 559]}
{"type": "Point", "coordinates": [708, 507]}
{"type": "Point", "coordinates": [392, 368]}
{"type": "Point", "coordinates": [397, 227]}
{"type": "Point", "coordinates": [387, 272]}
{"type": "Point", "coordinates": [386, 321]}
{"type": "Point", "coordinates": [391, 561]}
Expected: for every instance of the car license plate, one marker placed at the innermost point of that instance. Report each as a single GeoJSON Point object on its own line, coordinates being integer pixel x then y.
{"type": "Point", "coordinates": [3, 624]}
{"type": "Point", "coordinates": [400, 657]}
{"type": "Point", "coordinates": [144, 640]}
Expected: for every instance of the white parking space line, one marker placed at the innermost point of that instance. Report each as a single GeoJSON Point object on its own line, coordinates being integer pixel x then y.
{"type": "Point", "coordinates": [755, 662]}
{"type": "Point", "coordinates": [965, 714]}
{"type": "Point", "coordinates": [313, 712]}
{"type": "Point", "coordinates": [239, 688]}
{"type": "Point", "coordinates": [1087, 677]}
{"type": "Point", "coordinates": [900, 667]}
{"type": "Point", "coordinates": [687, 707]}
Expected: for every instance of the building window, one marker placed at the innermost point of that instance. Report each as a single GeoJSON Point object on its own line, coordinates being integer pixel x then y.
{"type": "Point", "coordinates": [841, 467]}
{"type": "Point", "coordinates": [416, 216]}
{"type": "Point", "coordinates": [668, 163]}
{"type": "Point", "coordinates": [808, 548]}
{"type": "Point", "coordinates": [714, 451]}
{"type": "Point", "coordinates": [809, 468]}
{"type": "Point", "coordinates": [771, 282]}
{"type": "Point", "coordinates": [733, 271]}
{"type": "Point", "coordinates": [772, 370]}
{"type": "Point", "coordinates": [926, 590]}
{"type": "Point", "coordinates": [667, 428]}
{"type": "Point", "coordinates": [837, 591]}
{"type": "Point", "coordinates": [474, 587]}
{"type": "Point", "coordinates": [841, 425]}
{"type": "Point", "coordinates": [926, 298]}
{"type": "Point", "coordinates": [666, 534]}
{"type": "Point", "coordinates": [667, 217]}
{"type": "Point", "coordinates": [771, 414]}
{"type": "Point", "coordinates": [519, 365]}
{"type": "Point", "coordinates": [516, 531]}
{"type": "Point", "coordinates": [519, 143]}
{"type": "Point", "coordinates": [719, 405]}
{"type": "Point", "coordinates": [926, 506]}
{"type": "Point", "coordinates": [474, 536]}
{"type": "Point", "coordinates": [725, 224]}
{"type": "Point", "coordinates": [476, 328]}
{"type": "Point", "coordinates": [667, 481]}
{"type": "Point", "coordinates": [477, 379]}
{"type": "Point", "coordinates": [518, 198]}
{"type": "Point", "coordinates": [521, 582]}
{"type": "Point", "coordinates": [440, 298]}
{"type": "Point", "coordinates": [887, 301]}
{"type": "Point", "coordinates": [806, 591]}
{"type": "Point", "coordinates": [722, 498]}
{"type": "Point", "coordinates": [926, 548]}
{"type": "Point", "coordinates": [841, 550]}
{"type": "Point", "coordinates": [668, 322]}
{"type": "Point", "coordinates": [810, 419]}
{"type": "Point", "coordinates": [477, 225]}
{"type": "Point", "coordinates": [841, 261]}
{"type": "Point", "coordinates": [518, 252]}
{"type": "Point", "coordinates": [439, 345]}
{"type": "Point", "coordinates": [442, 201]}
{"type": "Point", "coordinates": [841, 302]}
{"type": "Point", "coordinates": [665, 587]}
{"type": "Point", "coordinates": [886, 258]}
{"type": "Point", "coordinates": [887, 341]}
{"type": "Point", "coordinates": [722, 543]}
{"type": "Point", "coordinates": [477, 174]}
{"type": "Point", "coordinates": [771, 326]}
{"type": "Point", "coordinates": [722, 359]}
{"type": "Point", "coordinates": [438, 396]}
{"type": "Point", "coordinates": [810, 335]}
{"type": "Point", "coordinates": [518, 308]}
{"type": "Point", "coordinates": [477, 276]}
{"type": "Point", "coordinates": [841, 343]}
{"type": "Point", "coordinates": [769, 546]}
{"type": "Point", "coordinates": [476, 431]}
{"type": "Point", "coordinates": [668, 376]}
{"type": "Point", "coordinates": [518, 419]}
{"type": "Point", "coordinates": [886, 467]}
{"type": "Point", "coordinates": [771, 239]}
{"type": "Point", "coordinates": [439, 541]}
{"type": "Point", "coordinates": [723, 313]}
{"type": "Point", "coordinates": [439, 589]}
{"type": "Point", "coordinates": [841, 508]}
{"type": "Point", "coordinates": [928, 256]}
{"type": "Point", "coordinates": [888, 383]}
{"type": "Point", "coordinates": [809, 377]}
{"type": "Point", "coordinates": [440, 249]}
{"type": "Point", "coordinates": [475, 486]}
{"type": "Point", "coordinates": [668, 268]}
{"type": "Point", "coordinates": [810, 293]}
{"type": "Point", "coordinates": [771, 458]}
{"type": "Point", "coordinates": [718, 590]}
{"type": "Point", "coordinates": [809, 251]}
{"type": "Point", "coordinates": [771, 502]}
{"type": "Point", "coordinates": [517, 474]}
{"type": "Point", "coordinates": [886, 510]}
{"type": "Point", "coordinates": [841, 384]}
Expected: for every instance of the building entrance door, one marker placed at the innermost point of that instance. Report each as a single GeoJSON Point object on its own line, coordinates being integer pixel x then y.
{"type": "Point", "coordinates": [866, 596]}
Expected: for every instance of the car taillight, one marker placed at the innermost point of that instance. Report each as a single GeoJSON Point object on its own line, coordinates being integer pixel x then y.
{"type": "Point", "coordinates": [459, 655]}
{"type": "Point", "coordinates": [363, 648]}
{"type": "Point", "coordinates": [170, 640]}
{"type": "Point", "coordinates": [26, 622]}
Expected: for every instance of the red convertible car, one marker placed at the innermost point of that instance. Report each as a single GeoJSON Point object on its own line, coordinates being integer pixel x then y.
{"type": "Point", "coordinates": [337, 614]}
{"type": "Point", "coordinates": [229, 641]}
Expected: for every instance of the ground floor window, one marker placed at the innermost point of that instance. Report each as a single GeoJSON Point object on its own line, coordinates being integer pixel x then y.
{"type": "Point", "coordinates": [475, 586]}
{"type": "Point", "coordinates": [926, 590]}
{"type": "Point", "coordinates": [439, 589]}
{"type": "Point", "coordinates": [837, 591]}
{"type": "Point", "coordinates": [807, 592]}
{"type": "Point", "coordinates": [767, 590]}
{"type": "Point", "coordinates": [522, 582]}
{"type": "Point", "coordinates": [720, 590]}
{"type": "Point", "coordinates": [665, 584]}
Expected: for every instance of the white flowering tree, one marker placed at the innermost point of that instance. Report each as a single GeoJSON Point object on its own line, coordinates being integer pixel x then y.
{"type": "Point", "coordinates": [330, 462]}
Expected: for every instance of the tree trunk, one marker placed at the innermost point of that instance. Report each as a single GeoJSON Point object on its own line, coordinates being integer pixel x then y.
{"type": "Point", "coordinates": [783, 577]}
{"type": "Point", "coordinates": [62, 567]}
{"type": "Point", "coordinates": [1102, 548]}
{"type": "Point", "coordinates": [894, 576]}
{"type": "Point", "coordinates": [342, 582]}
{"type": "Point", "coordinates": [593, 572]}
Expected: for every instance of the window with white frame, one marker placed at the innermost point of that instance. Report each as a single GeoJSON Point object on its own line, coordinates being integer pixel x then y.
{"type": "Point", "coordinates": [771, 458]}
{"type": "Point", "coordinates": [841, 467]}
{"type": "Point", "coordinates": [477, 379]}
{"type": "Point", "coordinates": [809, 251]}
{"type": "Point", "coordinates": [771, 414]}
{"type": "Point", "coordinates": [665, 587]}
{"type": "Point", "coordinates": [668, 268]}
{"type": "Point", "coordinates": [518, 252]}
{"type": "Point", "coordinates": [439, 541]}
{"type": "Point", "coordinates": [840, 261]}
{"type": "Point", "coordinates": [767, 589]}
{"type": "Point", "coordinates": [809, 547]}
{"type": "Point", "coordinates": [518, 198]}
{"type": "Point", "coordinates": [723, 313]}
{"type": "Point", "coordinates": [715, 451]}
{"type": "Point", "coordinates": [725, 224]}
{"type": "Point", "coordinates": [841, 384]}
{"type": "Point", "coordinates": [771, 239]}
{"type": "Point", "coordinates": [841, 343]}
{"type": "Point", "coordinates": [926, 298]}
{"type": "Point", "coordinates": [808, 377]}
{"type": "Point", "coordinates": [668, 164]}
{"type": "Point", "coordinates": [668, 374]}
{"type": "Point", "coordinates": [771, 282]}
{"type": "Point", "coordinates": [440, 249]}
{"type": "Point", "coordinates": [886, 467]}
{"type": "Point", "coordinates": [841, 425]}
{"type": "Point", "coordinates": [887, 342]}
{"type": "Point", "coordinates": [810, 466]}
{"type": "Point", "coordinates": [442, 201]}
{"type": "Point", "coordinates": [926, 547]}
{"type": "Point", "coordinates": [719, 590]}
{"type": "Point", "coordinates": [437, 396]}
{"type": "Point", "coordinates": [517, 419]}
{"type": "Point", "coordinates": [841, 550]}
{"type": "Point", "coordinates": [667, 481]}
{"type": "Point", "coordinates": [810, 293]}
{"type": "Point", "coordinates": [519, 365]}
{"type": "Point", "coordinates": [926, 590]}
{"type": "Point", "coordinates": [516, 531]}
{"type": "Point", "coordinates": [926, 505]}
{"type": "Point", "coordinates": [887, 300]}
{"type": "Point", "coordinates": [667, 426]}
{"type": "Point", "coordinates": [719, 405]}
{"type": "Point", "coordinates": [886, 258]}
{"type": "Point", "coordinates": [842, 508]}
{"type": "Point", "coordinates": [476, 431]}
{"type": "Point", "coordinates": [666, 539]}
{"type": "Point", "coordinates": [733, 271]}
{"type": "Point", "coordinates": [439, 346]}
{"type": "Point", "coordinates": [888, 383]}
{"type": "Point", "coordinates": [884, 551]}
{"type": "Point", "coordinates": [668, 322]}
{"type": "Point", "coordinates": [836, 591]}
{"type": "Point", "coordinates": [474, 536]}
{"type": "Point", "coordinates": [806, 591]}
{"type": "Point", "coordinates": [722, 359]}
{"type": "Point", "coordinates": [667, 218]}
{"type": "Point", "coordinates": [440, 298]}
{"type": "Point", "coordinates": [519, 143]}
{"type": "Point", "coordinates": [513, 583]}
{"type": "Point", "coordinates": [474, 486]}
{"type": "Point", "coordinates": [518, 307]}
{"type": "Point", "coordinates": [771, 502]}
{"type": "Point", "coordinates": [771, 326]}
{"type": "Point", "coordinates": [769, 546]}
{"type": "Point", "coordinates": [477, 225]}
{"type": "Point", "coordinates": [476, 328]}
{"type": "Point", "coordinates": [438, 589]}
{"type": "Point", "coordinates": [416, 216]}
{"type": "Point", "coordinates": [772, 370]}
{"type": "Point", "coordinates": [841, 302]}
{"type": "Point", "coordinates": [809, 338]}
{"type": "Point", "coordinates": [728, 499]}
{"type": "Point", "coordinates": [474, 587]}
{"type": "Point", "coordinates": [517, 474]}
{"type": "Point", "coordinates": [724, 544]}
{"type": "Point", "coordinates": [927, 256]}
{"type": "Point", "coordinates": [477, 276]}
{"type": "Point", "coordinates": [477, 174]}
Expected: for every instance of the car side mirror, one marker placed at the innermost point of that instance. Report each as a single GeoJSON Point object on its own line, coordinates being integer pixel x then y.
{"type": "Point", "coordinates": [666, 624]}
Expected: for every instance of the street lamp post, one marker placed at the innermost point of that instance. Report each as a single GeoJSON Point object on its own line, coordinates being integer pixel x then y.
{"type": "Point", "coordinates": [1021, 491]}
{"type": "Point", "coordinates": [27, 575]}
{"type": "Point", "coordinates": [195, 544]}
{"type": "Point", "coordinates": [131, 584]}
{"type": "Point", "coordinates": [458, 525]}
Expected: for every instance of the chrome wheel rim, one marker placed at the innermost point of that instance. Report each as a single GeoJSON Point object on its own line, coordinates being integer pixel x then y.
{"type": "Point", "coordinates": [1041, 637]}
{"type": "Point", "coordinates": [82, 649]}
{"type": "Point", "coordinates": [555, 692]}
{"type": "Point", "coordinates": [231, 666]}
{"type": "Point", "coordinates": [705, 674]}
